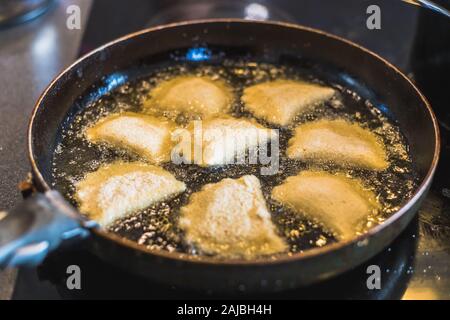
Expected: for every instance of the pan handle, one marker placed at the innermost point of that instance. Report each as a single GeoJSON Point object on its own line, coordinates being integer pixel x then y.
{"type": "Point", "coordinates": [38, 226]}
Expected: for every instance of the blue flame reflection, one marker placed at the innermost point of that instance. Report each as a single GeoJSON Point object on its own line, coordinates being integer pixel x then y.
{"type": "Point", "coordinates": [198, 54]}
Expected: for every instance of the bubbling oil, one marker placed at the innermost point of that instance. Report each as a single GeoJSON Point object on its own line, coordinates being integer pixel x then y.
{"type": "Point", "coordinates": [156, 227]}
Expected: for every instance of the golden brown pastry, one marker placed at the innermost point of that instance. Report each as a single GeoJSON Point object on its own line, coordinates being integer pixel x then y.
{"type": "Point", "coordinates": [223, 140]}
{"type": "Point", "coordinates": [147, 136]}
{"type": "Point", "coordinates": [118, 189]}
{"type": "Point", "coordinates": [338, 141]}
{"type": "Point", "coordinates": [279, 101]}
{"type": "Point", "coordinates": [338, 202]}
{"type": "Point", "coordinates": [191, 96]}
{"type": "Point", "coordinates": [230, 219]}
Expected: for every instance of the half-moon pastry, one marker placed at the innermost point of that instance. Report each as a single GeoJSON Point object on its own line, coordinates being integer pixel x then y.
{"type": "Point", "coordinates": [338, 141]}
{"type": "Point", "coordinates": [223, 140]}
{"type": "Point", "coordinates": [230, 219]}
{"type": "Point", "coordinates": [147, 136]}
{"type": "Point", "coordinates": [191, 96]}
{"type": "Point", "coordinates": [280, 101]}
{"type": "Point", "coordinates": [340, 203]}
{"type": "Point", "coordinates": [118, 189]}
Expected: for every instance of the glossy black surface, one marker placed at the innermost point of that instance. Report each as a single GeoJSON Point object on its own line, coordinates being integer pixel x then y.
{"type": "Point", "coordinates": [424, 272]}
{"type": "Point", "coordinates": [101, 280]}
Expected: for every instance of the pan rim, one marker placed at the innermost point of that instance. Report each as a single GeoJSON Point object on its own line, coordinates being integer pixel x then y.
{"type": "Point", "coordinates": [282, 258]}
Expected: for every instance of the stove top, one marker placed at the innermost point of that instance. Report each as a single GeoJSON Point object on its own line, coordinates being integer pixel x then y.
{"type": "Point", "coordinates": [416, 265]}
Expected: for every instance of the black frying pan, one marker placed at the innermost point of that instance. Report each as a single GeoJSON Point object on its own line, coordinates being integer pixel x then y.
{"type": "Point", "coordinates": [46, 220]}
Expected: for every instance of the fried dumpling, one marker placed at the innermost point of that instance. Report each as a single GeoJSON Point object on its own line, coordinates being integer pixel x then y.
{"type": "Point", "coordinates": [118, 189]}
{"type": "Point", "coordinates": [338, 141]}
{"type": "Point", "coordinates": [191, 96]}
{"type": "Point", "coordinates": [223, 140]}
{"type": "Point", "coordinates": [338, 202]}
{"type": "Point", "coordinates": [147, 136]}
{"type": "Point", "coordinates": [230, 219]}
{"type": "Point", "coordinates": [279, 101]}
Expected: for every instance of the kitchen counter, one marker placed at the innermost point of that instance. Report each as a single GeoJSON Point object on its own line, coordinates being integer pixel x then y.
{"type": "Point", "coordinates": [31, 54]}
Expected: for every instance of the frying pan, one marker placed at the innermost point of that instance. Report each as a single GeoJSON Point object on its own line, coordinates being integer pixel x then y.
{"type": "Point", "coordinates": [46, 221]}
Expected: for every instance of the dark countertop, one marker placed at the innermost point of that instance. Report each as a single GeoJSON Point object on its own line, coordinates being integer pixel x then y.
{"type": "Point", "coordinates": [31, 54]}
